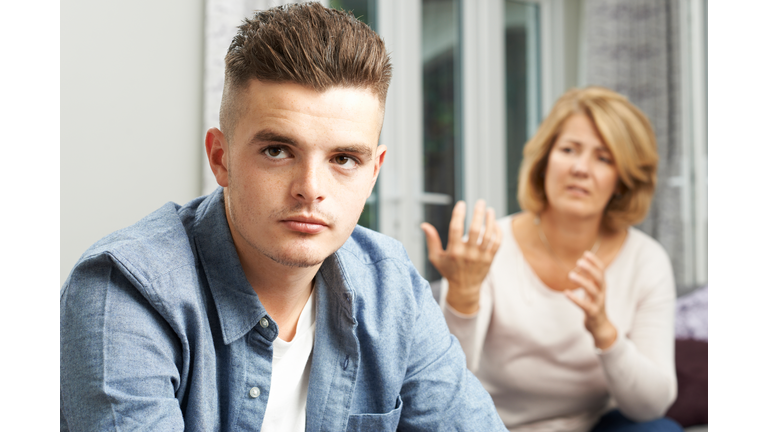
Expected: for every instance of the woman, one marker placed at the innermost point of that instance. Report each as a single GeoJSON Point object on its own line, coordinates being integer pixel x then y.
{"type": "Point", "coordinates": [570, 326]}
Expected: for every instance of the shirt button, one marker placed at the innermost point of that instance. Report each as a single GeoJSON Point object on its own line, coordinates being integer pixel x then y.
{"type": "Point", "coordinates": [264, 322]}
{"type": "Point", "coordinates": [255, 392]}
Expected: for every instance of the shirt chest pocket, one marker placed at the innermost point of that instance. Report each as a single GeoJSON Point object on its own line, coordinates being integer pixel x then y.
{"type": "Point", "coordinates": [376, 422]}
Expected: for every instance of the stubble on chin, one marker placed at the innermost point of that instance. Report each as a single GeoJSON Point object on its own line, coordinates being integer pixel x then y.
{"type": "Point", "coordinates": [291, 261]}
{"type": "Point", "coordinates": [295, 258]}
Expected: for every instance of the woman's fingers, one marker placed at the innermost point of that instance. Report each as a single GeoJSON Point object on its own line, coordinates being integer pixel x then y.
{"type": "Point", "coordinates": [592, 258]}
{"type": "Point", "coordinates": [589, 275]}
{"type": "Point", "coordinates": [434, 244]}
{"type": "Point", "coordinates": [477, 223]}
{"type": "Point", "coordinates": [476, 250]}
{"type": "Point", "coordinates": [490, 229]}
{"type": "Point", "coordinates": [496, 239]}
{"type": "Point", "coordinates": [589, 267]}
{"type": "Point", "coordinates": [456, 226]}
{"type": "Point", "coordinates": [589, 286]}
{"type": "Point", "coordinates": [580, 301]}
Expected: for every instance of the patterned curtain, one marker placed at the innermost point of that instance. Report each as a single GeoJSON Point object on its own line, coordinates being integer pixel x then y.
{"type": "Point", "coordinates": [221, 19]}
{"type": "Point", "coordinates": [633, 47]}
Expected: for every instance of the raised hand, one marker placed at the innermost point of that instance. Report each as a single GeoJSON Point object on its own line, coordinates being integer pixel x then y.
{"type": "Point", "coordinates": [465, 263]}
{"type": "Point", "coordinates": [590, 275]}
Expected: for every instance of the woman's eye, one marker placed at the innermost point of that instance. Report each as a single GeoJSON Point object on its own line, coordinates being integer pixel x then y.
{"type": "Point", "coordinates": [275, 153]}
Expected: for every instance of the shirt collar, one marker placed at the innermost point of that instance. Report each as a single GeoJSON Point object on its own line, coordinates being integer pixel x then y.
{"type": "Point", "coordinates": [238, 306]}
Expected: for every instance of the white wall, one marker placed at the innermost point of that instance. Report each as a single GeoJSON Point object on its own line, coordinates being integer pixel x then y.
{"type": "Point", "coordinates": [131, 97]}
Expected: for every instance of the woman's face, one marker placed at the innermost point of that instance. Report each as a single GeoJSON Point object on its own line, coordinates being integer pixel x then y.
{"type": "Point", "coordinates": [581, 175]}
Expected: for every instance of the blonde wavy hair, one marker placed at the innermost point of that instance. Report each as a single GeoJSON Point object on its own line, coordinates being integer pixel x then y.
{"type": "Point", "coordinates": [627, 133]}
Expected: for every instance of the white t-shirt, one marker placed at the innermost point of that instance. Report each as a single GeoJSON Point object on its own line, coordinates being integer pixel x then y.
{"type": "Point", "coordinates": [291, 361]}
{"type": "Point", "coordinates": [528, 346]}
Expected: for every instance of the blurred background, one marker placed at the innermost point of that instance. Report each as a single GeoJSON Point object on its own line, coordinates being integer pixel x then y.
{"type": "Point", "coordinates": [142, 81]}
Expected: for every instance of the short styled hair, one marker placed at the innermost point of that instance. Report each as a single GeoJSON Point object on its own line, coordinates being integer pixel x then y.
{"type": "Point", "coordinates": [306, 44]}
{"type": "Point", "coordinates": [627, 133]}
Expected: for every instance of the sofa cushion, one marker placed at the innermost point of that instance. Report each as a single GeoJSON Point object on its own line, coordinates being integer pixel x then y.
{"type": "Point", "coordinates": [690, 408]}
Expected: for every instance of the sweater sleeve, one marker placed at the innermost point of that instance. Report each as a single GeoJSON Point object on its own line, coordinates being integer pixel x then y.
{"type": "Point", "coordinates": [640, 367]}
{"type": "Point", "coordinates": [470, 330]}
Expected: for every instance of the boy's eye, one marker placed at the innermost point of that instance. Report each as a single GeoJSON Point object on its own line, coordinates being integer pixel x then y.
{"type": "Point", "coordinates": [344, 161]}
{"type": "Point", "coordinates": [275, 153]}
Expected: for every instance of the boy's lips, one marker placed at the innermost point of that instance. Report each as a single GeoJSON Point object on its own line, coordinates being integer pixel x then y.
{"type": "Point", "coordinates": [306, 224]}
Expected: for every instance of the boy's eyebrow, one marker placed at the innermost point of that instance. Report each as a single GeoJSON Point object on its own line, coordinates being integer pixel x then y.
{"type": "Point", "coordinates": [272, 136]}
{"type": "Point", "coordinates": [361, 150]}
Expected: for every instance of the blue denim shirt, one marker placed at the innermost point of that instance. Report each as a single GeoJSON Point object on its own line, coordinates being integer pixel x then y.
{"type": "Point", "coordinates": [161, 331]}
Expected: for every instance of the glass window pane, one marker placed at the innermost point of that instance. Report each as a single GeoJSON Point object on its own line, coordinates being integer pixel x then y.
{"type": "Point", "coordinates": [364, 10]}
{"type": "Point", "coordinates": [522, 86]}
{"type": "Point", "coordinates": [441, 83]}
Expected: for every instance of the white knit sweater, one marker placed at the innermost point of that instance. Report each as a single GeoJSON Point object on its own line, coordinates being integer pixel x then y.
{"type": "Point", "coordinates": [528, 346]}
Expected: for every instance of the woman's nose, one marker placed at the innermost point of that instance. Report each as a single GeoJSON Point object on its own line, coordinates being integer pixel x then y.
{"type": "Point", "coordinates": [580, 166]}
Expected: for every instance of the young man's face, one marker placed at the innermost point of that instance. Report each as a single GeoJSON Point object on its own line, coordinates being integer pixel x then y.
{"type": "Point", "coordinates": [298, 169]}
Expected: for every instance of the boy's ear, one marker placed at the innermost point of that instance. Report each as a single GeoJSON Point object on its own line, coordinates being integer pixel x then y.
{"type": "Point", "coordinates": [216, 148]}
{"type": "Point", "coordinates": [381, 152]}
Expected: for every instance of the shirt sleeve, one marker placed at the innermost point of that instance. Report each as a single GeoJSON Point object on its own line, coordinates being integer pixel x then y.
{"type": "Point", "coordinates": [119, 358]}
{"type": "Point", "coordinates": [470, 330]}
{"type": "Point", "coordinates": [439, 392]}
{"type": "Point", "coordinates": [640, 368]}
